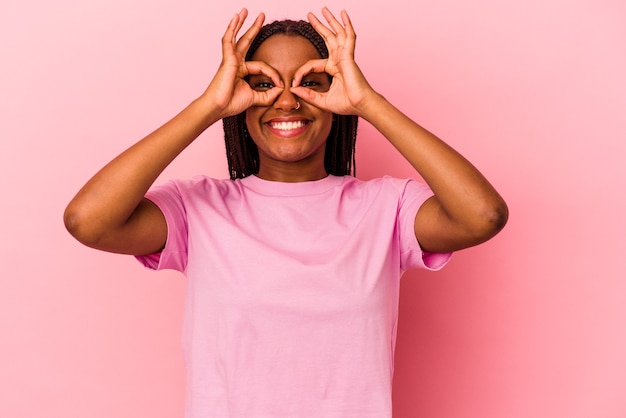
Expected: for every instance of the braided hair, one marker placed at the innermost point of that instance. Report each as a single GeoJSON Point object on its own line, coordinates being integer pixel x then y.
{"type": "Point", "coordinates": [241, 151]}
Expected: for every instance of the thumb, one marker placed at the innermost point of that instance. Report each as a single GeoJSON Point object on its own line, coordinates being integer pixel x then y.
{"type": "Point", "coordinates": [310, 96]}
{"type": "Point", "coordinates": [266, 98]}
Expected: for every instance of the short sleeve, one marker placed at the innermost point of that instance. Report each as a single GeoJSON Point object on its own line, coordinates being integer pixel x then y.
{"type": "Point", "coordinates": [169, 200]}
{"type": "Point", "coordinates": [413, 196]}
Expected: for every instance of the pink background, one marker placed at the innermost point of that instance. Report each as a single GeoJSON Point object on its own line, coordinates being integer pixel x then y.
{"type": "Point", "coordinates": [530, 324]}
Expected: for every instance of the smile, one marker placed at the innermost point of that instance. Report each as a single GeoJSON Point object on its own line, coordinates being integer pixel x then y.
{"type": "Point", "coordinates": [287, 126]}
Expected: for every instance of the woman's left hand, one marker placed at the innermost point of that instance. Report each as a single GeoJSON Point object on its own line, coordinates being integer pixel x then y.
{"type": "Point", "coordinates": [349, 89]}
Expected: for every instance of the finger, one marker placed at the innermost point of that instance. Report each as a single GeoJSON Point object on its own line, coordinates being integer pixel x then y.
{"type": "Point", "coordinates": [265, 98]}
{"type": "Point", "coordinates": [320, 28]}
{"type": "Point", "coordinates": [244, 42]}
{"type": "Point", "coordinates": [349, 41]}
{"type": "Point", "coordinates": [259, 67]}
{"type": "Point", "coordinates": [310, 96]}
{"type": "Point", "coordinates": [228, 40]}
{"type": "Point", "coordinates": [347, 24]}
{"type": "Point", "coordinates": [242, 15]}
{"type": "Point", "coordinates": [332, 21]}
{"type": "Point", "coordinates": [312, 66]}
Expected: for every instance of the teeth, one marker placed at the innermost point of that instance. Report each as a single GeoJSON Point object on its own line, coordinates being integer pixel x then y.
{"type": "Point", "coordinates": [287, 126]}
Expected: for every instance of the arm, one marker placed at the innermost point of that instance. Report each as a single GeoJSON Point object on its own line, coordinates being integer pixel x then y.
{"type": "Point", "coordinates": [110, 211]}
{"type": "Point", "coordinates": [465, 209]}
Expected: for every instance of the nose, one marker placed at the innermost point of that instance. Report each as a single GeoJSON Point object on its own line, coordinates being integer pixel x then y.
{"type": "Point", "coordinates": [287, 101]}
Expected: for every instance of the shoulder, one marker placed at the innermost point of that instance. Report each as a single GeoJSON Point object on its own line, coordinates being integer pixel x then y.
{"type": "Point", "coordinates": [385, 184]}
{"type": "Point", "coordinates": [197, 191]}
{"type": "Point", "coordinates": [201, 185]}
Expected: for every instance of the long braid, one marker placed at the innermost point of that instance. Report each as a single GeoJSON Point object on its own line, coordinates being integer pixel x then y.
{"type": "Point", "coordinates": [241, 151]}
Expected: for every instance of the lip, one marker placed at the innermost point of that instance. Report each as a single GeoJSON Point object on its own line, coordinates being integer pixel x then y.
{"type": "Point", "coordinates": [287, 127]}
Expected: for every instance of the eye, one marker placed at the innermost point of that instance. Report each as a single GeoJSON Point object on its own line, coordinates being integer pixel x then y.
{"type": "Point", "coordinates": [260, 82]}
{"type": "Point", "coordinates": [262, 85]}
{"type": "Point", "coordinates": [309, 83]}
{"type": "Point", "coordinates": [316, 81]}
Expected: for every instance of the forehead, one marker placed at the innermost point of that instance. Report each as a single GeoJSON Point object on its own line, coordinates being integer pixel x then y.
{"type": "Point", "coordinates": [286, 51]}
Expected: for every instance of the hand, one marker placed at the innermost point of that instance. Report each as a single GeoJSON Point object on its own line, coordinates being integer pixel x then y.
{"type": "Point", "coordinates": [349, 88]}
{"type": "Point", "coordinates": [229, 89]}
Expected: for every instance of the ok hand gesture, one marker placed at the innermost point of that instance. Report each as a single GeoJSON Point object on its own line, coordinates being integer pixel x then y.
{"type": "Point", "coordinates": [229, 90]}
{"type": "Point", "coordinates": [349, 90]}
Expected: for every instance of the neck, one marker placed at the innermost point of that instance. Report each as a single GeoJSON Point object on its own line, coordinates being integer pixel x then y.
{"type": "Point", "coordinates": [291, 173]}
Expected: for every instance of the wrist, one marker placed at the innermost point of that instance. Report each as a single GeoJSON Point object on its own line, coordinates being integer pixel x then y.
{"type": "Point", "coordinates": [370, 105]}
{"type": "Point", "coordinates": [211, 107]}
{"type": "Point", "coordinates": [208, 109]}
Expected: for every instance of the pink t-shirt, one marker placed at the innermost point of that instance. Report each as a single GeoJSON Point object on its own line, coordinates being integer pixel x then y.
{"type": "Point", "coordinates": [292, 291]}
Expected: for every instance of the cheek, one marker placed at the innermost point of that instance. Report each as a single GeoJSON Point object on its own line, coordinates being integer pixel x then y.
{"type": "Point", "coordinates": [252, 121]}
{"type": "Point", "coordinates": [249, 115]}
{"type": "Point", "coordinates": [328, 124]}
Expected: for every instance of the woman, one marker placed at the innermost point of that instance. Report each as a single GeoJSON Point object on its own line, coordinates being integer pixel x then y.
{"type": "Point", "coordinates": [292, 265]}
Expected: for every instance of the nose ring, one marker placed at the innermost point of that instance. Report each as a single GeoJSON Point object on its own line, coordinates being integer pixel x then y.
{"type": "Point", "coordinates": [297, 105]}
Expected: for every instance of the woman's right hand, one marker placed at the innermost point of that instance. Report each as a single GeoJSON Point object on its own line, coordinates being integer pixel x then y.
{"type": "Point", "coordinates": [110, 211]}
{"type": "Point", "coordinates": [229, 90]}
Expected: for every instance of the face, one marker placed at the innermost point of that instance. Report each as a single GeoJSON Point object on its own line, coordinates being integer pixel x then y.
{"type": "Point", "coordinates": [289, 138]}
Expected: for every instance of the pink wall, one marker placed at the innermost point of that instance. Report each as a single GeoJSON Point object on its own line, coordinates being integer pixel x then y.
{"type": "Point", "coordinates": [531, 324]}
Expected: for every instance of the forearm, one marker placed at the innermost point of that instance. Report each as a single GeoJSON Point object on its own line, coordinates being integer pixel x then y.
{"type": "Point", "coordinates": [109, 198]}
{"type": "Point", "coordinates": [465, 196]}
